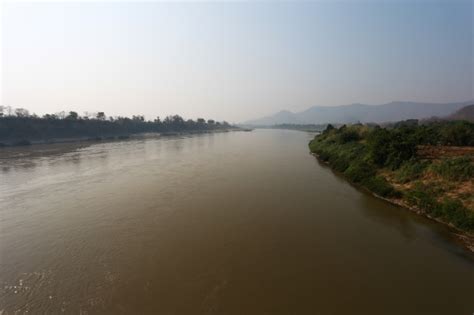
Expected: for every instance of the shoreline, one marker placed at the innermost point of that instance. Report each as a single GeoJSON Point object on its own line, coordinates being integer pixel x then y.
{"type": "Point", "coordinates": [466, 239]}
{"type": "Point", "coordinates": [148, 135]}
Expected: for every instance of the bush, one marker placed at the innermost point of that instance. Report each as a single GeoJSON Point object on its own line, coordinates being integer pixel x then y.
{"type": "Point", "coordinates": [459, 133]}
{"type": "Point", "coordinates": [358, 172]}
{"type": "Point", "coordinates": [455, 212]}
{"type": "Point", "coordinates": [421, 197]}
{"type": "Point", "coordinates": [348, 135]}
{"type": "Point", "coordinates": [450, 209]}
{"type": "Point", "coordinates": [378, 145]}
{"type": "Point", "coordinates": [380, 186]}
{"type": "Point", "coordinates": [340, 163]}
{"type": "Point", "coordinates": [391, 147]}
{"type": "Point", "coordinates": [323, 155]}
{"type": "Point", "coordinates": [411, 170]}
{"type": "Point", "coordinates": [329, 127]}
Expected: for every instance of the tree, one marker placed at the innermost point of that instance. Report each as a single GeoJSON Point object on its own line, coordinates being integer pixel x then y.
{"type": "Point", "coordinates": [329, 127]}
{"type": "Point", "coordinates": [458, 133]}
{"type": "Point", "coordinates": [177, 119]}
{"type": "Point", "coordinates": [378, 142]}
{"type": "Point", "coordinates": [100, 116]}
{"type": "Point", "coordinates": [6, 110]}
{"type": "Point", "coordinates": [89, 115]}
{"type": "Point", "coordinates": [72, 116]}
{"type": "Point", "coordinates": [21, 112]}
{"type": "Point", "coordinates": [391, 148]}
{"type": "Point", "coordinates": [168, 120]}
{"type": "Point", "coordinates": [23, 126]}
{"type": "Point", "coordinates": [348, 135]}
{"type": "Point", "coordinates": [50, 116]}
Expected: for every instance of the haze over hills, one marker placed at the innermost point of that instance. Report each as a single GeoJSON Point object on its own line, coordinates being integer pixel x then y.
{"type": "Point", "coordinates": [394, 111]}
{"type": "Point", "coordinates": [465, 113]}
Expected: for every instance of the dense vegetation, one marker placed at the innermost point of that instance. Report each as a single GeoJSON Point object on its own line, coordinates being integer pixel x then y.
{"type": "Point", "coordinates": [429, 167]}
{"type": "Point", "coordinates": [19, 127]}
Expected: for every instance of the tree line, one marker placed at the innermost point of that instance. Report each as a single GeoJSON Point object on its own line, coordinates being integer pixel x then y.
{"type": "Point", "coordinates": [18, 125]}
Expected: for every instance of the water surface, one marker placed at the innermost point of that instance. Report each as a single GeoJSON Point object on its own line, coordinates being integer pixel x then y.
{"type": "Point", "coordinates": [230, 223]}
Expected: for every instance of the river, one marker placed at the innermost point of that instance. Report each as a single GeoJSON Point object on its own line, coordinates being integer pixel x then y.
{"type": "Point", "coordinates": [228, 223]}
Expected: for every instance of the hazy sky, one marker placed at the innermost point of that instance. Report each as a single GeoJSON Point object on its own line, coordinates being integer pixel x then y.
{"type": "Point", "coordinates": [233, 61]}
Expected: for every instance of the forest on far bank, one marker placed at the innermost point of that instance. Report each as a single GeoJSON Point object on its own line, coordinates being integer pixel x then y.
{"type": "Point", "coordinates": [19, 127]}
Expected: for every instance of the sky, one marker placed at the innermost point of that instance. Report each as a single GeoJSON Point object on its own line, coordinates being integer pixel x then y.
{"type": "Point", "coordinates": [233, 61]}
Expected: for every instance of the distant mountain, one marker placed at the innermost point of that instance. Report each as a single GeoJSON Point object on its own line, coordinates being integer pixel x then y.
{"type": "Point", "coordinates": [394, 111]}
{"type": "Point", "coordinates": [465, 113]}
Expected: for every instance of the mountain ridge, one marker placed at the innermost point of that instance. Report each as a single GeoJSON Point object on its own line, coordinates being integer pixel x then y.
{"type": "Point", "coordinates": [364, 113]}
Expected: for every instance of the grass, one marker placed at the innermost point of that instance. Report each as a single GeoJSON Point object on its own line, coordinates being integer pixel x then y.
{"type": "Point", "coordinates": [456, 169]}
{"type": "Point", "coordinates": [411, 170]}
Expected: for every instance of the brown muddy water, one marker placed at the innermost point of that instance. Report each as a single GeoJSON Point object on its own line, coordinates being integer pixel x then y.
{"type": "Point", "coordinates": [229, 223]}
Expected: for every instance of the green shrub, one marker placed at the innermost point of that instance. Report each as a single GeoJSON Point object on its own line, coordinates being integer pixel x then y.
{"type": "Point", "coordinates": [459, 133]}
{"type": "Point", "coordinates": [348, 135]}
{"type": "Point", "coordinates": [450, 209]}
{"type": "Point", "coordinates": [391, 147]}
{"type": "Point", "coordinates": [421, 197]}
{"type": "Point", "coordinates": [411, 170]}
{"type": "Point", "coordinates": [329, 127]}
{"type": "Point", "coordinates": [455, 212]}
{"type": "Point", "coordinates": [378, 144]}
{"type": "Point", "coordinates": [323, 155]}
{"type": "Point", "coordinates": [340, 163]}
{"type": "Point", "coordinates": [380, 186]}
{"type": "Point", "coordinates": [357, 172]}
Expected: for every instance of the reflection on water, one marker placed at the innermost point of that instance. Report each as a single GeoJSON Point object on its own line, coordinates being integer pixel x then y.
{"type": "Point", "coordinates": [391, 216]}
{"type": "Point", "coordinates": [226, 223]}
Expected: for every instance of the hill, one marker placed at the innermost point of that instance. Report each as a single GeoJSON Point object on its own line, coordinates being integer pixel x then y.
{"type": "Point", "coordinates": [465, 113]}
{"type": "Point", "coordinates": [353, 113]}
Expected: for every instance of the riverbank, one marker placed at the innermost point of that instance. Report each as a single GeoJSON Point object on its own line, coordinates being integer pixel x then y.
{"type": "Point", "coordinates": [465, 238]}
{"type": "Point", "coordinates": [23, 142]}
{"type": "Point", "coordinates": [397, 166]}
